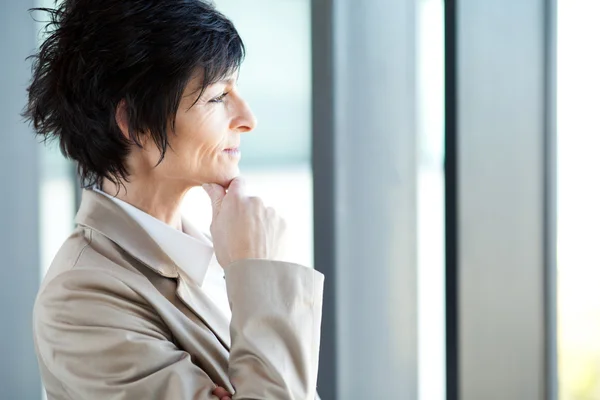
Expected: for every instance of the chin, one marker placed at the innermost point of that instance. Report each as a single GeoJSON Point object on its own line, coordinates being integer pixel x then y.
{"type": "Point", "coordinates": [224, 179]}
{"type": "Point", "coordinates": [227, 181]}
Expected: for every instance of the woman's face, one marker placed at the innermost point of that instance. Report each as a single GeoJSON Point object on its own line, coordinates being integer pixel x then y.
{"type": "Point", "coordinates": [205, 146]}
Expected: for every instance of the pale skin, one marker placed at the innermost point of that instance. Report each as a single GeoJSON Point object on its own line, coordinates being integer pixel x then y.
{"type": "Point", "coordinates": [204, 152]}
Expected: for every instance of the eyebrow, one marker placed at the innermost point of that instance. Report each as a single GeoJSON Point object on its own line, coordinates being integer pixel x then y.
{"type": "Point", "coordinates": [230, 81]}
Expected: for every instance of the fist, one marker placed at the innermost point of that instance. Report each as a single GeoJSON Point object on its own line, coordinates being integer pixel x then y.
{"type": "Point", "coordinates": [242, 227]}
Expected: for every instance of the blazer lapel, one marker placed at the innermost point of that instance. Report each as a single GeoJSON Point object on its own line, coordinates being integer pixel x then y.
{"type": "Point", "coordinates": [103, 215]}
{"type": "Point", "coordinates": [197, 301]}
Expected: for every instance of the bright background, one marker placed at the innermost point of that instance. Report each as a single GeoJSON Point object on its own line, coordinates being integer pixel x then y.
{"type": "Point", "coordinates": [276, 81]}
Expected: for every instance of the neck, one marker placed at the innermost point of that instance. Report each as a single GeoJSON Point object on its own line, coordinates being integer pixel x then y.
{"type": "Point", "coordinates": [162, 201]}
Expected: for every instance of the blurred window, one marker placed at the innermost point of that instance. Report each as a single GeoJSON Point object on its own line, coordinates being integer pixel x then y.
{"type": "Point", "coordinates": [578, 275]}
{"type": "Point", "coordinates": [430, 200]}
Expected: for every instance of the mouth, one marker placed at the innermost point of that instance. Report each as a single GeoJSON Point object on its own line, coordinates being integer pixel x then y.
{"type": "Point", "coordinates": [234, 151]}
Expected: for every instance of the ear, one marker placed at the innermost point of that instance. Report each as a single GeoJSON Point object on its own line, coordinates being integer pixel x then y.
{"type": "Point", "coordinates": [122, 119]}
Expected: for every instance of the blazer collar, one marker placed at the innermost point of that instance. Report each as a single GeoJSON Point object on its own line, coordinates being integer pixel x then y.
{"type": "Point", "coordinates": [105, 216]}
{"type": "Point", "coordinates": [190, 249]}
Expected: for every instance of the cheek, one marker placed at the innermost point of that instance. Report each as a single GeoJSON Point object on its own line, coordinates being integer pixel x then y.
{"type": "Point", "coordinates": [201, 136]}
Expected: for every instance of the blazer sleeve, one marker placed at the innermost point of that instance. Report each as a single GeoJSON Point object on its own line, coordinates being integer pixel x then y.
{"type": "Point", "coordinates": [275, 329]}
{"type": "Point", "coordinates": [101, 339]}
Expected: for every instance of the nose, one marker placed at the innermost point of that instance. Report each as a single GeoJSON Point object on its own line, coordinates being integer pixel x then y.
{"type": "Point", "coordinates": [245, 121]}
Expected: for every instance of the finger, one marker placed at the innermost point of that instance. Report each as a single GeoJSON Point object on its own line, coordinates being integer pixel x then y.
{"type": "Point", "coordinates": [237, 186]}
{"type": "Point", "coordinates": [216, 194]}
{"type": "Point", "coordinates": [221, 393]}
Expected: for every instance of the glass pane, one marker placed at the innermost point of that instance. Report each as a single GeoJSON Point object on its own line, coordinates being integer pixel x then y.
{"type": "Point", "coordinates": [275, 80]}
{"type": "Point", "coordinates": [578, 199]}
{"type": "Point", "coordinates": [430, 197]}
{"type": "Point", "coordinates": [57, 202]}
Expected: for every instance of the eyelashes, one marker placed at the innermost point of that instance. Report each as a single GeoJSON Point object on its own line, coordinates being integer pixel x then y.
{"type": "Point", "coordinates": [219, 99]}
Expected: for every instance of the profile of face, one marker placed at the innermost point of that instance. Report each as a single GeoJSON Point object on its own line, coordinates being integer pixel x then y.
{"type": "Point", "coordinates": [205, 145]}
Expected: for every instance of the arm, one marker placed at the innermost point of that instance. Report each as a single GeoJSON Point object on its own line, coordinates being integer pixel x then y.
{"type": "Point", "coordinates": [275, 329]}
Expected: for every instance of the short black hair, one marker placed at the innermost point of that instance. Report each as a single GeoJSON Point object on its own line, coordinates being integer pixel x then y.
{"type": "Point", "coordinates": [100, 52]}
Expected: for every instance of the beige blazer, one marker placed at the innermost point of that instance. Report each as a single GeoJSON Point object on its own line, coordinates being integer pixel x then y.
{"type": "Point", "coordinates": [113, 320]}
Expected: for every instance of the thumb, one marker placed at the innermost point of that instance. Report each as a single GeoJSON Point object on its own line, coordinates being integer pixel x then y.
{"type": "Point", "coordinates": [216, 194]}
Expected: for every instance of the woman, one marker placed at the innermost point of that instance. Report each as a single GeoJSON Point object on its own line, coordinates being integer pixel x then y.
{"type": "Point", "coordinates": [137, 304]}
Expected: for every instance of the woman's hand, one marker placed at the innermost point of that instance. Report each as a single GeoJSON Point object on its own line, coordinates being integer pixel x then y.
{"type": "Point", "coordinates": [242, 227]}
{"type": "Point", "coordinates": [222, 394]}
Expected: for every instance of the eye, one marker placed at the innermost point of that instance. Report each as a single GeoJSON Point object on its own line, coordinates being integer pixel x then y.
{"type": "Point", "coordinates": [219, 99]}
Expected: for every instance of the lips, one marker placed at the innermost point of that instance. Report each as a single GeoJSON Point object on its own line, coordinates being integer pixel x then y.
{"type": "Point", "coordinates": [233, 151]}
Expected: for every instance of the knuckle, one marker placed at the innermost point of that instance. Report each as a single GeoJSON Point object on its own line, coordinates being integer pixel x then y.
{"type": "Point", "coordinates": [283, 224]}
{"type": "Point", "coordinates": [256, 201]}
{"type": "Point", "coordinates": [237, 197]}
